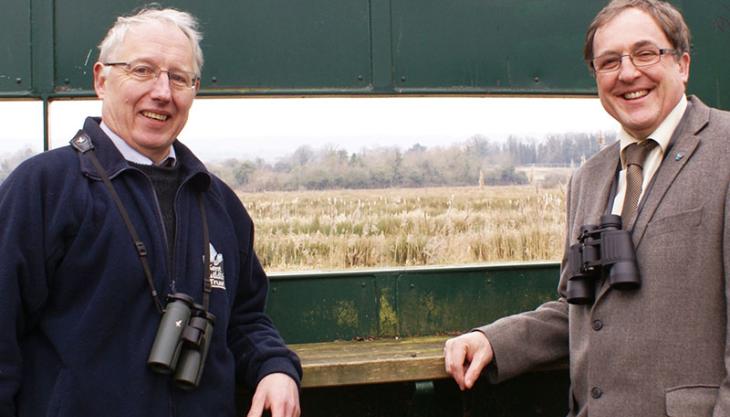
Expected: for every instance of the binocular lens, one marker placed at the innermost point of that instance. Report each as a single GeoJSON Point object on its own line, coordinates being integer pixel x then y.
{"type": "Point", "coordinates": [580, 291]}
{"type": "Point", "coordinates": [623, 276]}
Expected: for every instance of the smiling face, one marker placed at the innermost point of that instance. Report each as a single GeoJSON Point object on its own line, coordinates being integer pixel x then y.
{"type": "Point", "coordinates": [639, 98]}
{"type": "Point", "coordinates": [148, 115]}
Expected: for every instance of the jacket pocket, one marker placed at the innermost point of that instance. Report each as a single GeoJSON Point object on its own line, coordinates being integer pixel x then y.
{"type": "Point", "coordinates": [685, 220]}
{"type": "Point", "coordinates": [691, 400]}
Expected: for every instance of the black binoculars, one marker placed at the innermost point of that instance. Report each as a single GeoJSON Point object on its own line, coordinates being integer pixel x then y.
{"type": "Point", "coordinates": [602, 251]}
{"type": "Point", "coordinates": [182, 341]}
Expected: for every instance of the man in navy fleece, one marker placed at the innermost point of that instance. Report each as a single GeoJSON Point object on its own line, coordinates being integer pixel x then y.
{"type": "Point", "coordinates": [96, 235]}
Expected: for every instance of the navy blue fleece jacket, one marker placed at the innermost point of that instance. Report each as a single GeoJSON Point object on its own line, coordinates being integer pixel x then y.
{"type": "Point", "coordinates": [76, 313]}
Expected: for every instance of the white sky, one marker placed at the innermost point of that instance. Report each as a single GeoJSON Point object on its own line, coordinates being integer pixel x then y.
{"type": "Point", "coordinates": [273, 127]}
{"type": "Point", "coordinates": [21, 126]}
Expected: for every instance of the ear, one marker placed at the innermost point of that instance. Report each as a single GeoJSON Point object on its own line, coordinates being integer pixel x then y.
{"type": "Point", "coordinates": [683, 62]}
{"type": "Point", "coordinates": [99, 79]}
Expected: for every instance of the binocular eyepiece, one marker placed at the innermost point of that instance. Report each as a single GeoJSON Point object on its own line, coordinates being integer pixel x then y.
{"type": "Point", "coordinates": [601, 250]}
{"type": "Point", "coordinates": [182, 341]}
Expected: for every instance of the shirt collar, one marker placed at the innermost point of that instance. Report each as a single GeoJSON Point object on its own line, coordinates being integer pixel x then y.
{"type": "Point", "coordinates": [131, 154]}
{"type": "Point", "coordinates": [663, 134]}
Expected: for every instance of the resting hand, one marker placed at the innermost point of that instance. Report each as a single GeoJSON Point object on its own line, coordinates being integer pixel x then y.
{"type": "Point", "coordinates": [466, 356]}
{"type": "Point", "coordinates": [277, 393]}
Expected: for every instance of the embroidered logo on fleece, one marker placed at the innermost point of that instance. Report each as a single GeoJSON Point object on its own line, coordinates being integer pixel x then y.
{"type": "Point", "coordinates": [217, 278]}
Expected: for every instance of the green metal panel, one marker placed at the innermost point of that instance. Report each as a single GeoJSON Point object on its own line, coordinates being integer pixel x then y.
{"type": "Point", "coordinates": [317, 308]}
{"type": "Point", "coordinates": [438, 301]}
{"type": "Point", "coordinates": [353, 46]}
{"type": "Point", "coordinates": [293, 45]}
{"type": "Point", "coordinates": [382, 54]}
{"type": "Point", "coordinates": [249, 46]}
{"type": "Point", "coordinates": [410, 302]}
{"type": "Point", "coordinates": [79, 26]}
{"type": "Point", "coordinates": [709, 23]}
{"type": "Point", "coordinates": [499, 46]}
{"type": "Point", "coordinates": [15, 48]}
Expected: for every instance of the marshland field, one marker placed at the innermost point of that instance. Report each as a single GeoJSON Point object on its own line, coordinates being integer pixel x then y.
{"type": "Point", "coordinates": [342, 229]}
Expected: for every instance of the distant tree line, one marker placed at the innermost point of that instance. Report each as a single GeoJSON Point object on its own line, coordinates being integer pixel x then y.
{"type": "Point", "coordinates": [475, 161]}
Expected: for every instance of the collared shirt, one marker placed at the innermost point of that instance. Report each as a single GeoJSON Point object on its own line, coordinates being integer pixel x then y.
{"type": "Point", "coordinates": [662, 135]}
{"type": "Point", "coordinates": [131, 154]}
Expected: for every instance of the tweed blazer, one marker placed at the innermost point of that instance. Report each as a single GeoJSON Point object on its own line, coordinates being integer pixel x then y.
{"type": "Point", "coordinates": [660, 350]}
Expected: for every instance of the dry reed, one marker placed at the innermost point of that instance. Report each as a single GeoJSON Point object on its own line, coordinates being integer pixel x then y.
{"type": "Point", "coordinates": [326, 230]}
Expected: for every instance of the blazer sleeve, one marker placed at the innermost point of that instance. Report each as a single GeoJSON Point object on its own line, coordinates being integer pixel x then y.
{"type": "Point", "coordinates": [527, 341]}
{"type": "Point", "coordinates": [537, 338]}
{"type": "Point", "coordinates": [722, 406]}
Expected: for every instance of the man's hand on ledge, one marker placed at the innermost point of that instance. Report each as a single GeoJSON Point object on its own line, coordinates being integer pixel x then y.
{"type": "Point", "coordinates": [466, 356]}
{"type": "Point", "coordinates": [277, 393]}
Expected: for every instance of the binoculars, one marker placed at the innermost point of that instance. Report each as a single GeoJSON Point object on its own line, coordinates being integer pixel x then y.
{"type": "Point", "coordinates": [182, 341]}
{"type": "Point", "coordinates": [604, 251]}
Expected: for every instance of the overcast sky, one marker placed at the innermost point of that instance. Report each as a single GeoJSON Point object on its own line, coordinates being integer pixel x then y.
{"type": "Point", "coordinates": [273, 127]}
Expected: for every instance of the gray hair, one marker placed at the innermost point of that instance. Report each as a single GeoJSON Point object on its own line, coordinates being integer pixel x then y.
{"type": "Point", "coordinates": [186, 22]}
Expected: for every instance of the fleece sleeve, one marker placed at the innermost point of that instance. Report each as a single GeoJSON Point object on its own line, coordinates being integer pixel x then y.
{"type": "Point", "coordinates": [256, 343]}
{"type": "Point", "coordinates": [32, 230]}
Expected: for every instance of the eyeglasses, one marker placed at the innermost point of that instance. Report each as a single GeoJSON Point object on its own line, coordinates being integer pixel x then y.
{"type": "Point", "coordinates": [144, 71]}
{"type": "Point", "coordinates": [640, 58]}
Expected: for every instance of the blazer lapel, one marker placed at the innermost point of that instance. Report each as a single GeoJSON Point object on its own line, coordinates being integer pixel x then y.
{"type": "Point", "coordinates": [595, 189]}
{"type": "Point", "coordinates": [685, 142]}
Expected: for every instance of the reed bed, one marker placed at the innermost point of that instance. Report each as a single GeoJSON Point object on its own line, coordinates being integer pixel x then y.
{"type": "Point", "coordinates": [326, 230]}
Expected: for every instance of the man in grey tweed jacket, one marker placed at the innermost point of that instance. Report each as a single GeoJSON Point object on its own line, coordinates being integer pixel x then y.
{"type": "Point", "coordinates": [661, 349]}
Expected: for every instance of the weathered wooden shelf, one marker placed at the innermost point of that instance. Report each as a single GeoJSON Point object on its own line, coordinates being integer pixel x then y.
{"type": "Point", "coordinates": [372, 361]}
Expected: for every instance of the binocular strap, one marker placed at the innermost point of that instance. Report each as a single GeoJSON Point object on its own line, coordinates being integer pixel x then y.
{"type": "Point", "coordinates": [82, 143]}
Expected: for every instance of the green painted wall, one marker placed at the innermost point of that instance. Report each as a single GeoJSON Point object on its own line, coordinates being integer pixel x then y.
{"type": "Point", "coordinates": [390, 47]}
{"type": "Point", "coordinates": [15, 48]}
{"type": "Point", "coordinates": [404, 302]}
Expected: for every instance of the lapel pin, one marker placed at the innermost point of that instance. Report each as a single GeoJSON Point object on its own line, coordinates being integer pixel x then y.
{"type": "Point", "coordinates": [678, 156]}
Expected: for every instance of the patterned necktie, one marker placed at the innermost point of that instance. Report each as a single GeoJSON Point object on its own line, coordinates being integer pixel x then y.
{"type": "Point", "coordinates": [635, 155]}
